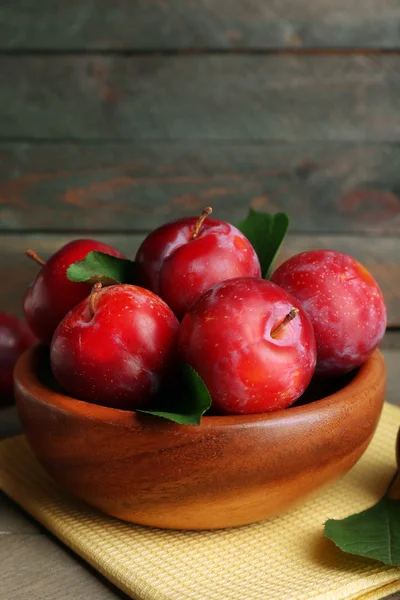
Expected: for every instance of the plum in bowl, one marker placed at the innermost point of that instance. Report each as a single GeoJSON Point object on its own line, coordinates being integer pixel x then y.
{"type": "Point", "coordinates": [229, 471]}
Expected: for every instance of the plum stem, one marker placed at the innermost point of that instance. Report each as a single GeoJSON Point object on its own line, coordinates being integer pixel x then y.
{"type": "Point", "coordinates": [207, 211]}
{"type": "Point", "coordinates": [32, 254]}
{"type": "Point", "coordinates": [95, 290]}
{"type": "Point", "coordinates": [289, 317]}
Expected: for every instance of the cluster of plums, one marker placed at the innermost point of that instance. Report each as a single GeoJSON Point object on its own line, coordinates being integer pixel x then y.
{"type": "Point", "coordinates": [202, 300]}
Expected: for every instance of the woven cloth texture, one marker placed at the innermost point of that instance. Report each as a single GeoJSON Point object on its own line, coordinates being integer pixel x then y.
{"type": "Point", "coordinates": [283, 558]}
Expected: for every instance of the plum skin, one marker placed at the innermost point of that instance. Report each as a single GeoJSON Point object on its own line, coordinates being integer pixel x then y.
{"type": "Point", "coordinates": [119, 355]}
{"type": "Point", "coordinates": [179, 269]}
{"type": "Point", "coordinates": [344, 303]}
{"type": "Point", "coordinates": [49, 298]}
{"type": "Point", "coordinates": [225, 337]}
{"type": "Point", "coordinates": [15, 337]}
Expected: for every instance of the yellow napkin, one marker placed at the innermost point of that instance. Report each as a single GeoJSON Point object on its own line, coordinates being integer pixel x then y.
{"type": "Point", "coordinates": [283, 558]}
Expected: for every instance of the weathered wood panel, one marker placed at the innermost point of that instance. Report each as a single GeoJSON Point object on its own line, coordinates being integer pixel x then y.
{"type": "Point", "coordinates": [212, 97]}
{"type": "Point", "coordinates": [198, 24]}
{"type": "Point", "coordinates": [125, 187]}
{"type": "Point", "coordinates": [12, 519]}
{"type": "Point", "coordinates": [381, 255]}
{"type": "Point", "coordinates": [391, 341]}
{"type": "Point", "coordinates": [39, 567]}
{"type": "Point", "coordinates": [323, 187]}
{"type": "Point", "coordinates": [9, 425]}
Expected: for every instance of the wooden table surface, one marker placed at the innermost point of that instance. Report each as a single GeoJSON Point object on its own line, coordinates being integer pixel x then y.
{"type": "Point", "coordinates": [34, 564]}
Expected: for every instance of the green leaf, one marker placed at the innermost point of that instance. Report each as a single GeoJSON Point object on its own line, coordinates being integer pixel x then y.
{"type": "Point", "coordinates": [374, 533]}
{"type": "Point", "coordinates": [190, 403]}
{"type": "Point", "coordinates": [266, 233]}
{"type": "Point", "coordinates": [104, 268]}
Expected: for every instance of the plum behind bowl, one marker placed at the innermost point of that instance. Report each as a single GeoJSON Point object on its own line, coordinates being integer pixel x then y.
{"type": "Point", "coordinates": [229, 471]}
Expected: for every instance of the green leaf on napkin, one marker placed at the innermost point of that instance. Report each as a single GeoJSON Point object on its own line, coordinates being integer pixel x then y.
{"type": "Point", "coordinates": [374, 533]}
{"type": "Point", "coordinates": [266, 233]}
{"type": "Point", "coordinates": [104, 268]}
{"type": "Point", "coordinates": [190, 403]}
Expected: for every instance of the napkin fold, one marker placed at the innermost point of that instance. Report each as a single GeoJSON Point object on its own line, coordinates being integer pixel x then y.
{"type": "Point", "coordinates": [283, 558]}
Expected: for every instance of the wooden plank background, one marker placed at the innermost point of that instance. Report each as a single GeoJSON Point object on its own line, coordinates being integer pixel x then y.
{"type": "Point", "coordinates": [238, 97]}
{"type": "Point", "coordinates": [172, 24]}
{"type": "Point", "coordinates": [135, 187]}
{"type": "Point", "coordinates": [116, 116]}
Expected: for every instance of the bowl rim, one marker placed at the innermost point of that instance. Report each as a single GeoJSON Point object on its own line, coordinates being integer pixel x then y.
{"type": "Point", "coordinates": [25, 377]}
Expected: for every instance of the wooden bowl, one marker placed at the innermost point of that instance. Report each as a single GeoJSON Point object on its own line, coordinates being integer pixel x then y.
{"type": "Point", "coordinates": [229, 471]}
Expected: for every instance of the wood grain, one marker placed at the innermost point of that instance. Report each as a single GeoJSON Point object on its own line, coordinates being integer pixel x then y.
{"type": "Point", "coordinates": [392, 358]}
{"type": "Point", "coordinates": [381, 255]}
{"type": "Point", "coordinates": [390, 346]}
{"type": "Point", "coordinates": [184, 24]}
{"type": "Point", "coordinates": [391, 341]}
{"type": "Point", "coordinates": [38, 567]}
{"type": "Point", "coordinates": [324, 187]}
{"type": "Point", "coordinates": [228, 471]}
{"type": "Point", "coordinates": [13, 520]}
{"type": "Point", "coordinates": [213, 97]}
{"type": "Point", "coordinates": [9, 424]}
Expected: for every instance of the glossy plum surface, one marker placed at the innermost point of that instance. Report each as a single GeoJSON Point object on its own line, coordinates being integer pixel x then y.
{"type": "Point", "coordinates": [15, 337]}
{"type": "Point", "coordinates": [179, 268]}
{"type": "Point", "coordinates": [119, 355]}
{"type": "Point", "coordinates": [52, 295]}
{"type": "Point", "coordinates": [226, 338]}
{"type": "Point", "coordinates": [344, 303]}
